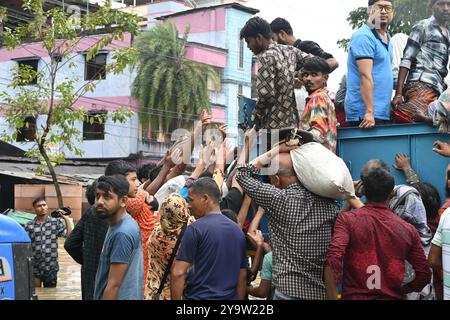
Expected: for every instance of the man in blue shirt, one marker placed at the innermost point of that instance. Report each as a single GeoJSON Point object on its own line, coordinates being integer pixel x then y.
{"type": "Point", "coordinates": [120, 274]}
{"type": "Point", "coordinates": [211, 263]}
{"type": "Point", "coordinates": [370, 80]}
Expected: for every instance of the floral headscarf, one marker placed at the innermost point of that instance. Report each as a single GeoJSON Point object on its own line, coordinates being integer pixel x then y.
{"type": "Point", "coordinates": [174, 214]}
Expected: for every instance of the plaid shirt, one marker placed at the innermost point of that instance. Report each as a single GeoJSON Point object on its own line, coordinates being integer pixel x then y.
{"type": "Point", "coordinates": [300, 226]}
{"type": "Point", "coordinates": [44, 243]}
{"type": "Point", "coordinates": [85, 245]}
{"type": "Point", "coordinates": [319, 117]}
{"type": "Point", "coordinates": [426, 54]}
{"type": "Point", "coordinates": [276, 107]}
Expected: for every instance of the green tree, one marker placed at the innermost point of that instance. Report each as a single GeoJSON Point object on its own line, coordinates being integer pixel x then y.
{"type": "Point", "coordinates": [406, 14]}
{"type": "Point", "coordinates": [171, 89]}
{"type": "Point", "coordinates": [55, 92]}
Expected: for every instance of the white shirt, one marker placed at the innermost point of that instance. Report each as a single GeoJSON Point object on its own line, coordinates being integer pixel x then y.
{"type": "Point", "coordinates": [442, 240]}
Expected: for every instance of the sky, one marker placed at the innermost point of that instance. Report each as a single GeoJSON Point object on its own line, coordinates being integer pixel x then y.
{"type": "Point", "coordinates": [322, 21]}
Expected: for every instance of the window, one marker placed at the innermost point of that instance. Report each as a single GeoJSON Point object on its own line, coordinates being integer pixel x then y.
{"type": "Point", "coordinates": [33, 63]}
{"type": "Point", "coordinates": [96, 67]}
{"type": "Point", "coordinates": [94, 126]}
{"type": "Point", "coordinates": [28, 132]}
{"type": "Point", "coordinates": [241, 54]}
{"type": "Point", "coordinates": [241, 89]}
{"type": "Point", "coordinates": [215, 84]}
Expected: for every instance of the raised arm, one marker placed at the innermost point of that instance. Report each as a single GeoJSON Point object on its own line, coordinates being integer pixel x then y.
{"type": "Point", "coordinates": [243, 212]}
{"type": "Point", "coordinates": [161, 178]}
{"type": "Point", "coordinates": [402, 163]}
{"type": "Point", "coordinates": [442, 149]}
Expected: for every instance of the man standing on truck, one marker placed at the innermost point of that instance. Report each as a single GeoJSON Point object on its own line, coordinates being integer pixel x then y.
{"type": "Point", "coordinates": [424, 65]}
{"type": "Point", "coordinates": [369, 68]}
{"type": "Point", "coordinates": [276, 107]}
{"type": "Point", "coordinates": [319, 116]}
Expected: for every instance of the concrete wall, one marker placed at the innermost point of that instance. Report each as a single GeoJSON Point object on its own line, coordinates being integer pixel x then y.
{"type": "Point", "coordinates": [120, 140]}
{"type": "Point", "coordinates": [26, 194]}
{"type": "Point", "coordinates": [233, 75]}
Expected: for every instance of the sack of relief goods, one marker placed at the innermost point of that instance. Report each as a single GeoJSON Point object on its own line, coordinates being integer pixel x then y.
{"type": "Point", "coordinates": [322, 172]}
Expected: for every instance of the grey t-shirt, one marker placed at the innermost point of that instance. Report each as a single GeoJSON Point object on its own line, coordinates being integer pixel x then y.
{"type": "Point", "coordinates": [123, 245]}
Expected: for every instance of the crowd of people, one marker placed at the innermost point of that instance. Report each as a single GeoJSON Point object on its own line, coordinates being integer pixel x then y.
{"type": "Point", "coordinates": [170, 231]}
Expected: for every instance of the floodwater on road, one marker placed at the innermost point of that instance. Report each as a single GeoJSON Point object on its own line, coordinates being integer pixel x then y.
{"type": "Point", "coordinates": [69, 279]}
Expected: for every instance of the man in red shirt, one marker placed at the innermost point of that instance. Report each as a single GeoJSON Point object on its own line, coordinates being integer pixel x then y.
{"type": "Point", "coordinates": [370, 246]}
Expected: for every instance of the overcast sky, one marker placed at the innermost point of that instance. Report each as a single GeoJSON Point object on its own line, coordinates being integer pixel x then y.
{"type": "Point", "coordinates": [322, 21]}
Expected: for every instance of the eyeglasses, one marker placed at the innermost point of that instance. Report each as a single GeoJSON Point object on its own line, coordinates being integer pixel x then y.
{"type": "Point", "coordinates": [387, 8]}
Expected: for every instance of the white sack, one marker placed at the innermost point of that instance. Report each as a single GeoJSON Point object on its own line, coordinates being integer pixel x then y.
{"type": "Point", "coordinates": [322, 172]}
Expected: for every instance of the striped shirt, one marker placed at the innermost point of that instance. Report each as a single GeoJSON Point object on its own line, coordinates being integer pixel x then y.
{"type": "Point", "coordinates": [442, 240]}
{"type": "Point", "coordinates": [319, 117]}
{"type": "Point", "coordinates": [426, 54]}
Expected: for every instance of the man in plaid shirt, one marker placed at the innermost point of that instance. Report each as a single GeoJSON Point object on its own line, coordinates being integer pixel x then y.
{"type": "Point", "coordinates": [424, 65]}
{"type": "Point", "coordinates": [276, 107]}
{"type": "Point", "coordinates": [300, 225]}
{"type": "Point", "coordinates": [44, 232]}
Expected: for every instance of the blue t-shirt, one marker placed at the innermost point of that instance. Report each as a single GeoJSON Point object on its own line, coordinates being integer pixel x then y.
{"type": "Point", "coordinates": [216, 248]}
{"type": "Point", "coordinates": [366, 44]}
{"type": "Point", "coordinates": [123, 245]}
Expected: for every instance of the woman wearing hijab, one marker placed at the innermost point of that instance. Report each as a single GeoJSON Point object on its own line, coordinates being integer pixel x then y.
{"type": "Point", "coordinates": [174, 215]}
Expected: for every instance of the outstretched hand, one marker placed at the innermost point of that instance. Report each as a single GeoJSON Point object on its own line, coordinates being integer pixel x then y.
{"type": "Point", "coordinates": [282, 147]}
{"type": "Point", "coordinates": [442, 148]}
{"type": "Point", "coordinates": [402, 162]}
{"type": "Point", "coordinates": [256, 237]}
{"type": "Point", "coordinates": [358, 188]}
{"type": "Point", "coordinates": [205, 118]}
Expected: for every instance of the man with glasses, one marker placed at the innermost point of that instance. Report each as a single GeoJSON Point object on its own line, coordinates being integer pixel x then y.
{"type": "Point", "coordinates": [370, 80]}
{"type": "Point", "coordinates": [424, 65]}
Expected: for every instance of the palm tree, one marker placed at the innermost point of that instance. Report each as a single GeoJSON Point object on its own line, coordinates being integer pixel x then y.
{"type": "Point", "coordinates": [171, 90]}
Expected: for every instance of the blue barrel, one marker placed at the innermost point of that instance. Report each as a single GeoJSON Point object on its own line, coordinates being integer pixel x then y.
{"type": "Point", "coordinates": [358, 146]}
{"type": "Point", "coordinates": [16, 273]}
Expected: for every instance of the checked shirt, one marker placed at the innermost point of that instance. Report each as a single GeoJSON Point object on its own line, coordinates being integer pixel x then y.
{"type": "Point", "coordinates": [300, 227]}
{"type": "Point", "coordinates": [276, 107]}
{"type": "Point", "coordinates": [44, 243]}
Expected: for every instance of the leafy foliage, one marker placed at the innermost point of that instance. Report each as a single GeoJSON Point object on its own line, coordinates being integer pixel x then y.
{"type": "Point", "coordinates": [406, 14]}
{"type": "Point", "coordinates": [170, 89]}
{"type": "Point", "coordinates": [55, 93]}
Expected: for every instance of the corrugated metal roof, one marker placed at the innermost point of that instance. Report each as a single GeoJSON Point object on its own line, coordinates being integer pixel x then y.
{"type": "Point", "coordinates": [67, 174]}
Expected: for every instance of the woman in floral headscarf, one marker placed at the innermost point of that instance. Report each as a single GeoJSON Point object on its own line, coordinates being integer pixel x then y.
{"type": "Point", "coordinates": [174, 214]}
